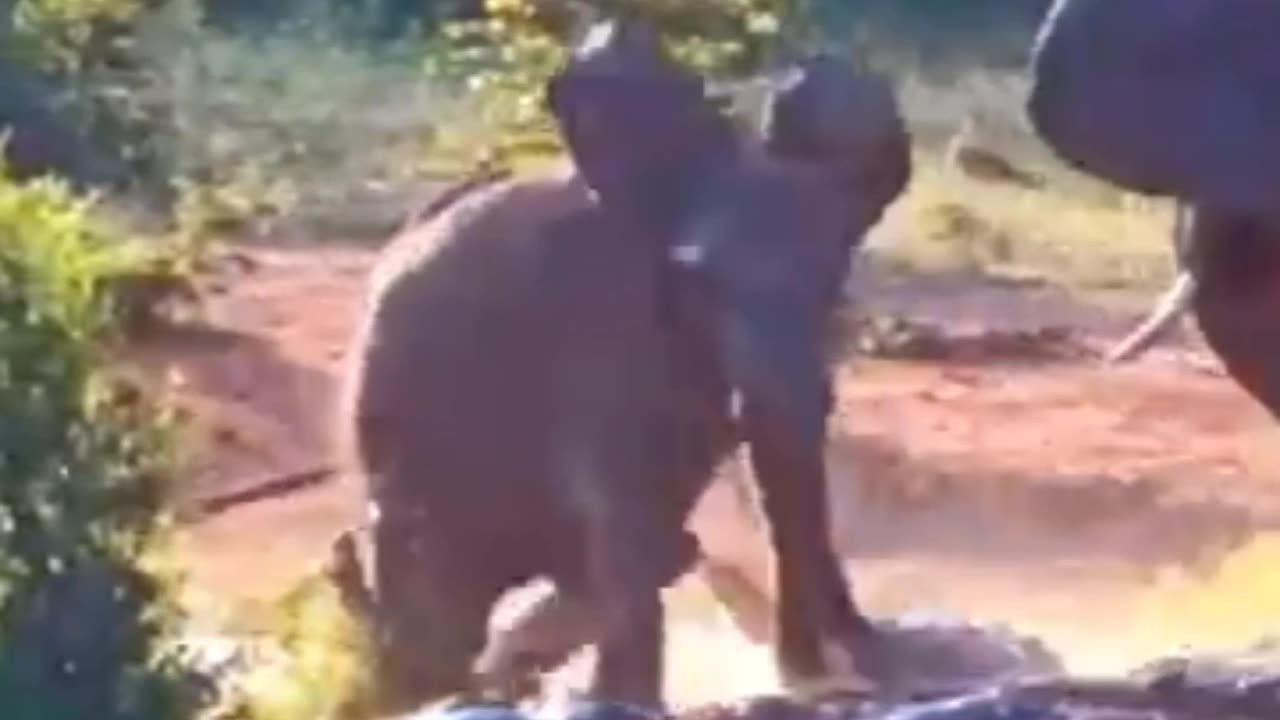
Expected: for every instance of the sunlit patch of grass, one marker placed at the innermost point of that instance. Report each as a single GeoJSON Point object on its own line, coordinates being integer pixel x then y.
{"type": "Point", "coordinates": [308, 658]}
{"type": "Point", "coordinates": [710, 661]}
{"type": "Point", "coordinates": [1076, 230]}
{"type": "Point", "coordinates": [1258, 447]}
{"type": "Point", "coordinates": [1231, 609]}
{"type": "Point", "coordinates": [708, 658]}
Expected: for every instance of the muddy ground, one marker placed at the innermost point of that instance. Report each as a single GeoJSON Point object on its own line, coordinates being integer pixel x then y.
{"type": "Point", "coordinates": [1114, 512]}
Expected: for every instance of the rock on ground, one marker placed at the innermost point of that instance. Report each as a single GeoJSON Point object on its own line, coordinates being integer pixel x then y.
{"type": "Point", "coordinates": [966, 672]}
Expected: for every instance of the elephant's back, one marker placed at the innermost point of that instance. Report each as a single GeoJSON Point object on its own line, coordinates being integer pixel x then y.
{"type": "Point", "coordinates": [478, 235]}
{"type": "Point", "coordinates": [445, 368]}
{"type": "Point", "coordinates": [471, 265]}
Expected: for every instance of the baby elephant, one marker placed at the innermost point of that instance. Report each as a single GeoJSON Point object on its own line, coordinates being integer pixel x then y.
{"type": "Point", "coordinates": [536, 392]}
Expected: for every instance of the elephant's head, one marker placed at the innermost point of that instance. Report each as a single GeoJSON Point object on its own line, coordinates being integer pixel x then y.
{"type": "Point", "coordinates": [761, 240]}
{"type": "Point", "coordinates": [769, 246]}
{"type": "Point", "coordinates": [638, 126]}
{"type": "Point", "coordinates": [1168, 97]}
{"type": "Point", "coordinates": [771, 241]}
{"type": "Point", "coordinates": [830, 115]}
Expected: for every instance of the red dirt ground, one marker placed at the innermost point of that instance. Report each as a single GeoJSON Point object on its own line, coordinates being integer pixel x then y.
{"type": "Point", "coordinates": [1056, 495]}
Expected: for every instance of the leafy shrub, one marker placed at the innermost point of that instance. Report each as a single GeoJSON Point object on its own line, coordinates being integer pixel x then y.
{"type": "Point", "coordinates": [64, 36]}
{"type": "Point", "coordinates": [503, 58]}
{"type": "Point", "coordinates": [85, 611]}
{"type": "Point", "coordinates": [311, 659]}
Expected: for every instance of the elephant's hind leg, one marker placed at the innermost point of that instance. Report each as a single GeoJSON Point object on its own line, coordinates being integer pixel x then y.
{"type": "Point", "coordinates": [635, 550]}
{"type": "Point", "coordinates": [823, 644]}
{"type": "Point", "coordinates": [433, 600]}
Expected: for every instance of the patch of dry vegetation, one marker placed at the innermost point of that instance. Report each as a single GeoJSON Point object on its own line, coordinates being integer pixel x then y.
{"type": "Point", "coordinates": [1226, 610]}
{"type": "Point", "coordinates": [1073, 231]}
{"type": "Point", "coordinates": [949, 222]}
{"type": "Point", "coordinates": [298, 656]}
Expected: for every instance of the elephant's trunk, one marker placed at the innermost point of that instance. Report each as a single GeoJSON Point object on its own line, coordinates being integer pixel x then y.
{"type": "Point", "coordinates": [772, 361]}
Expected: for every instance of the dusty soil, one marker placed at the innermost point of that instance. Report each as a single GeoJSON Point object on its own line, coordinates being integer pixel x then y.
{"type": "Point", "coordinates": [1112, 511]}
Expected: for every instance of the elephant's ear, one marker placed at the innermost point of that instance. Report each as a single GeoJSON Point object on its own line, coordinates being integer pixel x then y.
{"type": "Point", "coordinates": [828, 113]}
{"type": "Point", "coordinates": [625, 49]}
{"type": "Point", "coordinates": [636, 124]}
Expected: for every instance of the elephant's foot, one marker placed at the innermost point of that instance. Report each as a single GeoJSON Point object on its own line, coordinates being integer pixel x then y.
{"type": "Point", "coordinates": [846, 676]}
{"type": "Point", "coordinates": [537, 639]}
{"type": "Point", "coordinates": [911, 661]}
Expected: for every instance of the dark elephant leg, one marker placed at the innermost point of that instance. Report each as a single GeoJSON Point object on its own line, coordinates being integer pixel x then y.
{"type": "Point", "coordinates": [774, 354]}
{"type": "Point", "coordinates": [636, 547]}
{"type": "Point", "coordinates": [433, 605]}
{"type": "Point", "coordinates": [635, 554]}
{"type": "Point", "coordinates": [823, 641]}
{"type": "Point", "coordinates": [629, 646]}
{"type": "Point", "coordinates": [1237, 302]}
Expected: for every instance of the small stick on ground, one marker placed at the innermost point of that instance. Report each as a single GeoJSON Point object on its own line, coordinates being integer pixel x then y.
{"type": "Point", "coordinates": [272, 487]}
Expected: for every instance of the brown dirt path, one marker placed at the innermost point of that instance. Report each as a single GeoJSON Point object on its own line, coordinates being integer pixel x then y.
{"type": "Point", "coordinates": [1094, 506]}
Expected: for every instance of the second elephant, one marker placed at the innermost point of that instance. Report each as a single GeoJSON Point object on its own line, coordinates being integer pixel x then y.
{"type": "Point", "coordinates": [1179, 98]}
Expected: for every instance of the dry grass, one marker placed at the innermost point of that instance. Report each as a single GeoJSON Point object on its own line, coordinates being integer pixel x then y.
{"type": "Point", "coordinates": [1075, 230]}
{"type": "Point", "coordinates": [1226, 611]}
{"type": "Point", "coordinates": [301, 654]}
{"type": "Point", "coordinates": [948, 222]}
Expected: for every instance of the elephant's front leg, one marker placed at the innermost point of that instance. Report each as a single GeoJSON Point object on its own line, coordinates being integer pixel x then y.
{"type": "Point", "coordinates": [823, 643]}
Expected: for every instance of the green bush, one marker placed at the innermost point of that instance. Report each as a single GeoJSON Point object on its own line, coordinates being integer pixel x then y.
{"type": "Point", "coordinates": [63, 35]}
{"type": "Point", "coordinates": [502, 60]}
{"type": "Point", "coordinates": [311, 659]}
{"type": "Point", "coordinates": [85, 612]}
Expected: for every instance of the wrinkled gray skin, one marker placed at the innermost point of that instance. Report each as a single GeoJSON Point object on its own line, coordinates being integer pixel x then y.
{"type": "Point", "coordinates": [1179, 98]}
{"type": "Point", "coordinates": [827, 114]}
{"type": "Point", "coordinates": [845, 130]}
{"type": "Point", "coordinates": [535, 392]}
